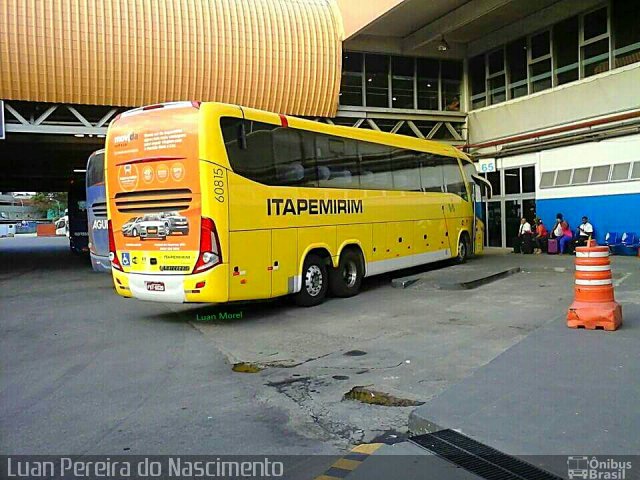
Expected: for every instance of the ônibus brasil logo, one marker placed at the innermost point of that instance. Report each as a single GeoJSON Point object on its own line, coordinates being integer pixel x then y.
{"type": "Point", "coordinates": [597, 468]}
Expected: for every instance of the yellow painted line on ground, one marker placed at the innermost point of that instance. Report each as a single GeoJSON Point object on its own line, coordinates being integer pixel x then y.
{"type": "Point", "coordinates": [367, 448]}
{"type": "Point", "coordinates": [346, 464]}
{"type": "Point", "coordinates": [343, 466]}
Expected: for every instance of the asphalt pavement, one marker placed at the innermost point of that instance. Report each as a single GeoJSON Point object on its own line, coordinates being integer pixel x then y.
{"type": "Point", "coordinates": [87, 372]}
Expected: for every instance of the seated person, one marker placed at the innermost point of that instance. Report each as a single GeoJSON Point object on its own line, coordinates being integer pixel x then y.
{"type": "Point", "coordinates": [564, 239]}
{"type": "Point", "coordinates": [585, 232]}
{"type": "Point", "coordinates": [541, 237]}
{"type": "Point", "coordinates": [525, 229]}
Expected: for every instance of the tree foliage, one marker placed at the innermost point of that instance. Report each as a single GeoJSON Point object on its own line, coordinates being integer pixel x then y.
{"type": "Point", "coordinates": [44, 201]}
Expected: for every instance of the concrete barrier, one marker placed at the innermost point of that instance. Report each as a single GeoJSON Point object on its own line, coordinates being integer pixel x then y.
{"type": "Point", "coordinates": [46, 230]}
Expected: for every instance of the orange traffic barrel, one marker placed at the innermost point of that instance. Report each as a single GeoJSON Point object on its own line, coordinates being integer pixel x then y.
{"type": "Point", "coordinates": [594, 306]}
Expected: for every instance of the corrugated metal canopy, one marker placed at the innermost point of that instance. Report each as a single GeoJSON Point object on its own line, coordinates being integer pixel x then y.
{"type": "Point", "coordinates": [277, 55]}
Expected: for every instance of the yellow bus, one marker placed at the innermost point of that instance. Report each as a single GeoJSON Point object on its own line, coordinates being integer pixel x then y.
{"type": "Point", "coordinates": [210, 202]}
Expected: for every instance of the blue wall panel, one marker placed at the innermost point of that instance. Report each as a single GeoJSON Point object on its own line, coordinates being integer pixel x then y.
{"type": "Point", "coordinates": [607, 213]}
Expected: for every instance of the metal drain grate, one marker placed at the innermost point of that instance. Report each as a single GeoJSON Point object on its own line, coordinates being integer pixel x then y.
{"type": "Point", "coordinates": [478, 458]}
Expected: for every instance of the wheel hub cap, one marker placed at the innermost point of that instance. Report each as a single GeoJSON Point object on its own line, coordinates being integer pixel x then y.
{"type": "Point", "coordinates": [313, 280]}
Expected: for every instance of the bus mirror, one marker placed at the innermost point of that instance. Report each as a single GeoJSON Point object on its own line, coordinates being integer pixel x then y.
{"type": "Point", "coordinates": [242, 136]}
{"type": "Point", "coordinates": [484, 185]}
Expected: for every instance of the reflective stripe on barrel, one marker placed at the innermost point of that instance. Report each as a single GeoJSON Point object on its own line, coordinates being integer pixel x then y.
{"type": "Point", "coordinates": [591, 254]}
{"type": "Point", "coordinates": [593, 274]}
{"type": "Point", "coordinates": [605, 281]}
{"type": "Point", "coordinates": [593, 268]}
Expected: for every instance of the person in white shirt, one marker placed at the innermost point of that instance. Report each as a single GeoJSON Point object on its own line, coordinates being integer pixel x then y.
{"type": "Point", "coordinates": [525, 227]}
{"type": "Point", "coordinates": [524, 230]}
{"type": "Point", "coordinates": [585, 231]}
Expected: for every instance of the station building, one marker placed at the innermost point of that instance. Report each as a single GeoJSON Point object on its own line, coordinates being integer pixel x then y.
{"type": "Point", "coordinates": [544, 94]}
{"type": "Point", "coordinates": [548, 92]}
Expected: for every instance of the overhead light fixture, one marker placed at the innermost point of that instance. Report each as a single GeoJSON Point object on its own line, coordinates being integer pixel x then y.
{"type": "Point", "coordinates": [443, 46]}
{"type": "Point", "coordinates": [79, 170]}
{"type": "Point", "coordinates": [79, 135]}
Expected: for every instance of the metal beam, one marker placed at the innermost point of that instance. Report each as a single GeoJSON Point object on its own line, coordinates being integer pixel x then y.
{"type": "Point", "coordinates": [55, 129]}
{"type": "Point", "coordinates": [77, 114]}
{"type": "Point", "coordinates": [398, 126]}
{"type": "Point", "coordinates": [415, 129]}
{"type": "Point", "coordinates": [15, 113]}
{"type": "Point", "coordinates": [373, 124]}
{"type": "Point", "coordinates": [434, 130]}
{"type": "Point", "coordinates": [45, 114]}
{"type": "Point", "coordinates": [453, 131]}
{"type": "Point", "coordinates": [106, 118]}
{"type": "Point", "coordinates": [455, 19]}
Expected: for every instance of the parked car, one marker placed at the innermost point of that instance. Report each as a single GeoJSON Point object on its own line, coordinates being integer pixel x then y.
{"type": "Point", "coordinates": [62, 226]}
{"type": "Point", "coordinates": [152, 226]}
{"type": "Point", "coordinates": [177, 223]}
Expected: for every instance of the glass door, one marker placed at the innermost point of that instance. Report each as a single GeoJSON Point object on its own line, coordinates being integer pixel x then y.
{"type": "Point", "coordinates": [494, 224]}
{"type": "Point", "coordinates": [512, 216]}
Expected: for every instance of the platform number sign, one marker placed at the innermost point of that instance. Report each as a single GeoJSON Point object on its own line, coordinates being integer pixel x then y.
{"type": "Point", "coordinates": [1, 120]}
{"type": "Point", "coordinates": [487, 165]}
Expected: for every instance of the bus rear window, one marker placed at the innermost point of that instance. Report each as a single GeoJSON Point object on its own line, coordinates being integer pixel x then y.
{"type": "Point", "coordinates": [95, 170]}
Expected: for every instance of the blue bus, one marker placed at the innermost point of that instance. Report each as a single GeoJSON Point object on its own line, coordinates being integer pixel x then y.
{"type": "Point", "coordinates": [97, 213]}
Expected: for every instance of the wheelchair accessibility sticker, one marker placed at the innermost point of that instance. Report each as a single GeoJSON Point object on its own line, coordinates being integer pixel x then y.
{"type": "Point", "coordinates": [126, 259]}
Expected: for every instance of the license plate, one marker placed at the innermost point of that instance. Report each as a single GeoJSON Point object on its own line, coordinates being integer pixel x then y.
{"type": "Point", "coordinates": [155, 286]}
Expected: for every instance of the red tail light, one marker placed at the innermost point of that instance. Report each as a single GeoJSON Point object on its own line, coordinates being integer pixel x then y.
{"type": "Point", "coordinates": [113, 254]}
{"type": "Point", "coordinates": [210, 254]}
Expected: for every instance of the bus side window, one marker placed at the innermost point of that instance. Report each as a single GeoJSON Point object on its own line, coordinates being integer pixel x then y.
{"type": "Point", "coordinates": [337, 162]}
{"type": "Point", "coordinates": [431, 174]}
{"type": "Point", "coordinates": [405, 166]}
{"type": "Point", "coordinates": [453, 177]}
{"type": "Point", "coordinates": [375, 163]}
{"type": "Point", "coordinates": [256, 161]}
{"type": "Point", "coordinates": [288, 158]}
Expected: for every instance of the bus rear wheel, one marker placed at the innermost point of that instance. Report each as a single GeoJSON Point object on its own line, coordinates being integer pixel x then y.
{"type": "Point", "coordinates": [345, 281]}
{"type": "Point", "coordinates": [314, 282]}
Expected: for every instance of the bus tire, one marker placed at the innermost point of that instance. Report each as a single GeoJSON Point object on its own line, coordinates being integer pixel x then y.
{"type": "Point", "coordinates": [314, 280]}
{"type": "Point", "coordinates": [463, 248]}
{"type": "Point", "coordinates": [346, 279]}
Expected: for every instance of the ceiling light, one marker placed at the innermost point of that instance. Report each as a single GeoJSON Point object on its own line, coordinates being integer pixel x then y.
{"type": "Point", "coordinates": [79, 170]}
{"type": "Point", "coordinates": [443, 46]}
{"type": "Point", "coordinates": [79, 135]}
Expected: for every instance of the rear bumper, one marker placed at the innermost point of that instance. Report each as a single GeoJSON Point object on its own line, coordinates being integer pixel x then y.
{"type": "Point", "coordinates": [177, 288]}
{"type": "Point", "coordinates": [173, 287]}
{"type": "Point", "coordinates": [100, 263]}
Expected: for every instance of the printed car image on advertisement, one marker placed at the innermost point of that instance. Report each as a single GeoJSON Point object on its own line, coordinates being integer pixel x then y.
{"type": "Point", "coordinates": [152, 226]}
{"type": "Point", "coordinates": [129, 228]}
{"type": "Point", "coordinates": [178, 224]}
